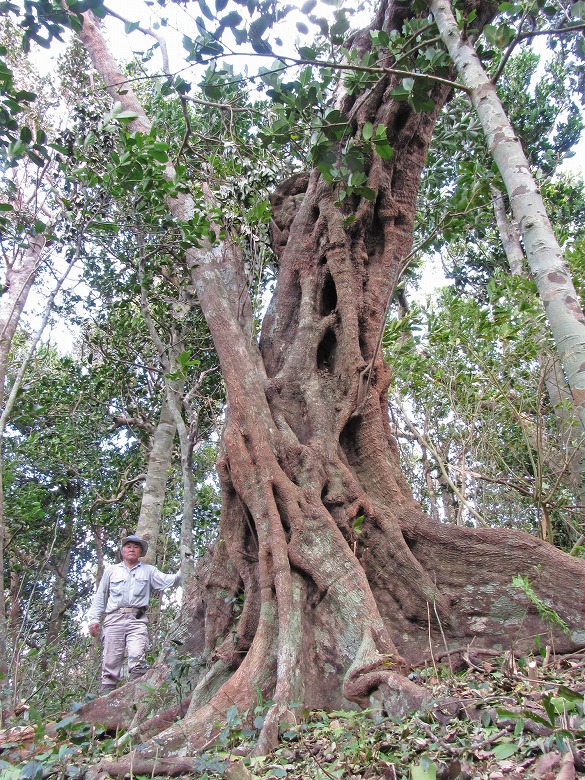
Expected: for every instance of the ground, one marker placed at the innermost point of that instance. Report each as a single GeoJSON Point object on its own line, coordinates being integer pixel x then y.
{"type": "Point", "coordinates": [490, 717]}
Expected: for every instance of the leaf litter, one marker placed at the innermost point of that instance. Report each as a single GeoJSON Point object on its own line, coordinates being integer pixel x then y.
{"type": "Point", "coordinates": [502, 719]}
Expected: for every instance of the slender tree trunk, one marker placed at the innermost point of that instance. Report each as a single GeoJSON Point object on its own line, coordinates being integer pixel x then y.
{"type": "Point", "coordinates": [19, 278]}
{"type": "Point", "coordinates": [570, 425]}
{"type": "Point", "coordinates": [187, 444]}
{"type": "Point", "coordinates": [174, 393]}
{"type": "Point", "coordinates": [544, 255]}
{"type": "Point", "coordinates": [157, 474]}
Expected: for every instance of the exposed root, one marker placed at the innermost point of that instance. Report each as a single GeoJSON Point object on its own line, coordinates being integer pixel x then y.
{"type": "Point", "coordinates": [276, 717]}
{"type": "Point", "coordinates": [134, 765]}
{"type": "Point", "coordinates": [567, 767]}
{"type": "Point", "coordinates": [153, 726]}
{"type": "Point", "coordinates": [118, 709]}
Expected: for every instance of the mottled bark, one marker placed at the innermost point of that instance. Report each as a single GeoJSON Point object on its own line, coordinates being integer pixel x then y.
{"type": "Point", "coordinates": [174, 394]}
{"type": "Point", "coordinates": [572, 460]}
{"type": "Point", "coordinates": [329, 617]}
{"type": "Point", "coordinates": [545, 258]}
{"type": "Point", "coordinates": [157, 474]}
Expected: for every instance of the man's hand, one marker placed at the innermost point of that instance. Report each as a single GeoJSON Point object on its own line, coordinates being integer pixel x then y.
{"type": "Point", "coordinates": [94, 629]}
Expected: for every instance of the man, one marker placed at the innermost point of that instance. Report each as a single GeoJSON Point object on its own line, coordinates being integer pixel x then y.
{"type": "Point", "coordinates": [122, 596]}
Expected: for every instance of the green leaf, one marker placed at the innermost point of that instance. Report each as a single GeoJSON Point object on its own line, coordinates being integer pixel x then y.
{"type": "Point", "coordinates": [550, 708]}
{"type": "Point", "coordinates": [126, 116]}
{"type": "Point", "coordinates": [130, 27]}
{"type": "Point", "coordinates": [340, 27]}
{"type": "Point", "coordinates": [354, 159]}
{"type": "Point", "coordinates": [367, 131]}
{"type": "Point", "coordinates": [334, 124]}
{"type": "Point", "coordinates": [380, 38]}
{"type": "Point", "coordinates": [33, 770]}
{"type": "Point", "coordinates": [66, 722]}
{"type": "Point", "coordinates": [426, 770]}
{"type": "Point", "coordinates": [499, 36]}
{"type": "Point", "coordinates": [159, 155]}
{"type": "Point", "coordinates": [504, 750]}
{"type": "Point", "coordinates": [232, 19]}
{"type": "Point", "coordinates": [36, 158]}
{"type": "Point", "coordinates": [306, 53]}
{"type": "Point", "coordinates": [367, 193]}
{"type": "Point", "coordinates": [421, 103]}
{"type": "Point", "coordinates": [577, 10]}
{"type": "Point", "coordinates": [567, 693]}
{"type": "Point", "coordinates": [25, 96]}
{"type": "Point", "coordinates": [205, 10]}
{"type": "Point", "coordinates": [25, 134]}
{"type": "Point", "coordinates": [384, 149]}
{"type": "Point", "coordinates": [8, 772]}
{"type": "Point", "coordinates": [400, 93]}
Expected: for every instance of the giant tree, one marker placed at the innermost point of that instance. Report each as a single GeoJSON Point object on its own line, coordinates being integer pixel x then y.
{"type": "Point", "coordinates": [343, 580]}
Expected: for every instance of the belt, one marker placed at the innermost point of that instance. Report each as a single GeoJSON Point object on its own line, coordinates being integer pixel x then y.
{"type": "Point", "coordinates": [130, 609]}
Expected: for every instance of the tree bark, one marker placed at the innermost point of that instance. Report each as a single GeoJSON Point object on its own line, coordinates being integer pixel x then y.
{"type": "Point", "coordinates": [157, 473]}
{"type": "Point", "coordinates": [19, 278]}
{"type": "Point", "coordinates": [332, 618]}
{"type": "Point", "coordinates": [175, 395]}
{"type": "Point", "coordinates": [544, 255]}
{"type": "Point", "coordinates": [572, 432]}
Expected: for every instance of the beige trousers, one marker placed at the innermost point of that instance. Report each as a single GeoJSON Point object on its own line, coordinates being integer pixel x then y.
{"type": "Point", "coordinates": [123, 633]}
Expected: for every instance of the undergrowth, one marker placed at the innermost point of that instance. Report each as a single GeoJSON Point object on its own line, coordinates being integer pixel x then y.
{"type": "Point", "coordinates": [511, 718]}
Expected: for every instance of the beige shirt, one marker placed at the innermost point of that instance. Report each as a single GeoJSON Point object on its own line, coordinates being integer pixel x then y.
{"type": "Point", "coordinates": [128, 587]}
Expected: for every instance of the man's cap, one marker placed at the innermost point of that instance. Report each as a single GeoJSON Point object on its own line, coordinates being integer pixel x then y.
{"type": "Point", "coordinates": [136, 540]}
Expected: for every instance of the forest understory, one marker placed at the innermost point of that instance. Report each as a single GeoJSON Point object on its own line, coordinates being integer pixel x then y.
{"type": "Point", "coordinates": [488, 716]}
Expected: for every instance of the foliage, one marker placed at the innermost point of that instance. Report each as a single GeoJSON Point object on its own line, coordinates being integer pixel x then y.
{"type": "Point", "coordinates": [490, 463]}
{"type": "Point", "coordinates": [456, 198]}
{"type": "Point", "coordinates": [546, 613]}
{"type": "Point", "coordinates": [468, 372]}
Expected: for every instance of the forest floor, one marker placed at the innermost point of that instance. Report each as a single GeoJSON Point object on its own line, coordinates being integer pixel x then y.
{"type": "Point", "coordinates": [498, 719]}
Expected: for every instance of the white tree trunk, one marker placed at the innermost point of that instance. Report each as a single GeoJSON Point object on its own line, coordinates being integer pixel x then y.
{"type": "Point", "coordinates": [19, 278]}
{"type": "Point", "coordinates": [157, 473]}
{"type": "Point", "coordinates": [544, 255]}
{"type": "Point", "coordinates": [570, 426]}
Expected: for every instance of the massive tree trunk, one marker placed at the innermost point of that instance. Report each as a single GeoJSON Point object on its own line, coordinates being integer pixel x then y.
{"type": "Point", "coordinates": [344, 581]}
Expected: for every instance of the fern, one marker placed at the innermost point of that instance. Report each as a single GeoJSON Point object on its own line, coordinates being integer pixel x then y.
{"type": "Point", "coordinates": [547, 613]}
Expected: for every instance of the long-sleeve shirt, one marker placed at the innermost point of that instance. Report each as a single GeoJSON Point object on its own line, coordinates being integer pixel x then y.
{"type": "Point", "coordinates": [123, 587]}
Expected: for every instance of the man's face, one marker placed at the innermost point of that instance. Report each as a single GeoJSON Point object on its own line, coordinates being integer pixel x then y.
{"type": "Point", "coordinates": [131, 552]}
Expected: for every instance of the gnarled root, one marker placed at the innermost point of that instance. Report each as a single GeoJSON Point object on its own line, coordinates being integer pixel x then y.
{"type": "Point", "coordinates": [371, 682]}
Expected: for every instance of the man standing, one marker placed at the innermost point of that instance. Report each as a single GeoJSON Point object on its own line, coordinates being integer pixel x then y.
{"type": "Point", "coordinates": [122, 596]}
